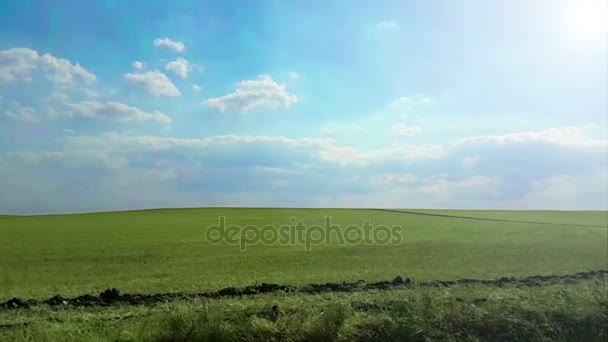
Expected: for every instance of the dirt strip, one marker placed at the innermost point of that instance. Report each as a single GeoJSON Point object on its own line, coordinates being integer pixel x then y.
{"type": "Point", "coordinates": [406, 212]}
{"type": "Point", "coordinates": [114, 297]}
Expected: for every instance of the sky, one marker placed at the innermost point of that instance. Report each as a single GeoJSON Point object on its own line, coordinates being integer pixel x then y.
{"type": "Point", "coordinates": [118, 105]}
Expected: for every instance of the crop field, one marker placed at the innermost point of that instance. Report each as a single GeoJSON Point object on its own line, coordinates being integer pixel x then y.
{"type": "Point", "coordinates": [443, 274]}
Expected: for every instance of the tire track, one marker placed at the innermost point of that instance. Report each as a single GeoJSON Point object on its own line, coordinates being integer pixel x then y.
{"type": "Point", "coordinates": [114, 297]}
{"type": "Point", "coordinates": [489, 219]}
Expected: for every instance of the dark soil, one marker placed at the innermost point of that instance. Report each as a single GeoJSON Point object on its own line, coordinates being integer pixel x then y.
{"type": "Point", "coordinates": [490, 219]}
{"type": "Point", "coordinates": [114, 297]}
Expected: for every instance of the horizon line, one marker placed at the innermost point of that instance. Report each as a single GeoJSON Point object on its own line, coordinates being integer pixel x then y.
{"type": "Point", "coordinates": [117, 211]}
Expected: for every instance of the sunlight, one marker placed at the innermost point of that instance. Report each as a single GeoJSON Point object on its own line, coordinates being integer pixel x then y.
{"type": "Point", "coordinates": [587, 21]}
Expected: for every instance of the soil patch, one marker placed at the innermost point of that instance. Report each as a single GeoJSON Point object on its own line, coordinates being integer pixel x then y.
{"type": "Point", "coordinates": [114, 297]}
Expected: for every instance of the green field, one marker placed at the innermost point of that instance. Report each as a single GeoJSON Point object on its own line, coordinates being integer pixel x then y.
{"type": "Point", "coordinates": [157, 251]}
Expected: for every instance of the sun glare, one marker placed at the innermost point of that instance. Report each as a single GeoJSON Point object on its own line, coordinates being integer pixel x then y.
{"type": "Point", "coordinates": [587, 21]}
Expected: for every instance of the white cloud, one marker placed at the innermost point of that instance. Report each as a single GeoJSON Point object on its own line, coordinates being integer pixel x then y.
{"type": "Point", "coordinates": [155, 82]}
{"type": "Point", "coordinates": [170, 171]}
{"type": "Point", "coordinates": [180, 67]}
{"type": "Point", "coordinates": [294, 75]}
{"type": "Point", "coordinates": [408, 104]}
{"type": "Point", "coordinates": [91, 94]}
{"type": "Point", "coordinates": [403, 130]}
{"type": "Point", "coordinates": [61, 71]}
{"type": "Point", "coordinates": [295, 171]}
{"type": "Point", "coordinates": [471, 162]}
{"type": "Point", "coordinates": [586, 190]}
{"type": "Point", "coordinates": [23, 114]}
{"type": "Point", "coordinates": [138, 66]}
{"type": "Point", "coordinates": [29, 159]}
{"type": "Point", "coordinates": [430, 192]}
{"type": "Point", "coordinates": [446, 190]}
{"type": "Point", "coordinates": [58, 98]}
{"type": "Point", "coordinates": [388, 180]}
{"type": "Point", "coordinates": [18, 64]}
{"type": "Point", "coordinates": [116, 111]}
{"type": "Point", "coordinates": [388, 25]}
{"type": "Point", "coordinates": [175, 46]}
{"type": "Point", "coordinates": [324, 149]}
{"type": "Point", "coordinates": [197, 88]}
{"type": "Point", "coordinates": [254, 95]}
{"type": "Point", "coordinates": [349, 156]}
{"type": "Point", "coordinates": [566, 136]}
{"type": "Point", "coordinates": [271, 170]}
{"type": "Point", "coordinates": [130, 142]}
{"type": "Point", "coordinates": [436, 189]}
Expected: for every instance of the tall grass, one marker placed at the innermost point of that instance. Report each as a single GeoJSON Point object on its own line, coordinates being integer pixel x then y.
{"type": "Point", "coordinates": [568, 312]}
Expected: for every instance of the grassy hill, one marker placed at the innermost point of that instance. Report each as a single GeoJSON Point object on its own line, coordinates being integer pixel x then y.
{"type": "Point", "coordinates": [166, 250]}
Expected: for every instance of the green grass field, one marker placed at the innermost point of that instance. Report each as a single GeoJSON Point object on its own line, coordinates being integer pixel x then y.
{"type": "Point", "coordinates": [554, 313]}
{"type": "Point", "coordinates": [159, 251]}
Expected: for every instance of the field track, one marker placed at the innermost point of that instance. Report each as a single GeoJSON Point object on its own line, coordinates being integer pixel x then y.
{"type": "Point", "coordinates": [114, 297]}
{"type": "Point", "coordinates": [489, 219]}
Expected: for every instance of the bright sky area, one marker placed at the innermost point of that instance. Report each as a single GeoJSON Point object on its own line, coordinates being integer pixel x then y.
{"type": "Point", "coordinates": [109, 105]}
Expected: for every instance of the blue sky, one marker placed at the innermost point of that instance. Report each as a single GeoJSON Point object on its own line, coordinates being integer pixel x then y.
{"type": "Point", "coordinates": [111, 105]}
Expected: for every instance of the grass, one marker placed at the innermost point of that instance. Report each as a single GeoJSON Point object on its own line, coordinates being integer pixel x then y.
{"type": "Point", "coordinates": [156, 251]}
{"type": "Point", "coordinates": [166, 250]}
{"type": "Point", "coordinates": [553, 313]}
